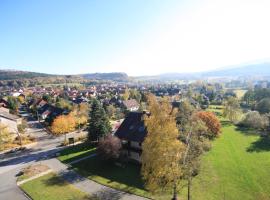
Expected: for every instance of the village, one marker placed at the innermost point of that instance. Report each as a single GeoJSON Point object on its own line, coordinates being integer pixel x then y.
{"type": "Point", "coordinates": [89, 127]}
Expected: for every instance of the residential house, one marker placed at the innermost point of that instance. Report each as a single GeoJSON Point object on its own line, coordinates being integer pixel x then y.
{"type": "Point", "coordinates": [10, 120]}
{"type": "Point", "coordinates": [132, 133]}
{"type": "Point", "coordinates": [131, 105]}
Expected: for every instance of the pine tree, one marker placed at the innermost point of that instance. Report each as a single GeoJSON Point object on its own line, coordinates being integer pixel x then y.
{"type": "Point", "coordinates": [99, 124]}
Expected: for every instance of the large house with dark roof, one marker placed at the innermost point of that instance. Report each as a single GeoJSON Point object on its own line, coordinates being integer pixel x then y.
{"type": "Point", "coordinates": [132, 133]}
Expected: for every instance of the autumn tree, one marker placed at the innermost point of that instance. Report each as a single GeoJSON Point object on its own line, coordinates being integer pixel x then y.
{"type": "Point", "coordinates": [5, 136]}
{"type": "Point", "coordinates": [253, 119]}
{"type": "Point", "coordinates": [99, 124]}
{"type": "Point", "coordinates": [80, 113]}
{"type": "Point", "coordinates": [64, 104]}
{"type": "Point", "coordinates": [109, 147]}
{"type": "Point", "coordinates": [184, 113]}
{"type": "Point", "coordinates": [232, 109]}
{"type": "Point", "coordinates": [63, 124]}
{"type": "Point", "coordinates": [162, 150]}
{"type": "Point", "coordinates": [212, 123]}
{"type": "Point", "coordinates": [125, 96]}
{"type": "Point", "coordinates": [13, 104]}
{"type": "Point", "coordinates": [135, 94]}
{"type": "Point", "coordinates": [196, 144]}
{"type": "Point", "coordinates": [111, 110]}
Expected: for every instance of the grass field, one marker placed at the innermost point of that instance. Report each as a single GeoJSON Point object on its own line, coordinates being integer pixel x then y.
{"type": "Point", "coordinates": [51, 187]}
{"type": "Point", "coordinates": [240, 93]}
{"type": "Point", "coordinates": [237, 167]}
{"type": "Point", "coordinates": [76, 152]}
{"type": "Point", "coordinates": [124, 178]}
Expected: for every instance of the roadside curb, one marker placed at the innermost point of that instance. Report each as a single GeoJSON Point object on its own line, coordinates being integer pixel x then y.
{"type": "Point", "coordinates": [34, 177]}
{"type": "Point", "coordinates": [25, 194]}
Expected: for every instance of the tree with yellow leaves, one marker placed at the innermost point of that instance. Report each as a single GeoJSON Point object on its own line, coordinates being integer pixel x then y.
{"type": "Point", "coordinates": [5, 136]}
{"type": "Point", "coordinates": [80, 113]}
{"type": "Point", "coordinates": [125, 96]}
{"type": "Point", "coordinates": [162, 149]}
{"type": "Point", "coordinates": [63, 124]}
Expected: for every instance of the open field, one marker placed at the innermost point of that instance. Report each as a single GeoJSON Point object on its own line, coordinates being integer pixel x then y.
{"type": "Point", "coordinates": [240, 93]}
{"type": "Point", "coordinates": [51, 187]}
{"type": "Point", "coordinates": [237, 167]}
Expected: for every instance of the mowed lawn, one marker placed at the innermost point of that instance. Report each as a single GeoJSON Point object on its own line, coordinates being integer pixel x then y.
{"type": "Point", "coordinates": [51, 187]}
{"type": "Point", "coordinates": [126, 178]}
{"type": "Point", "coordinates": [76, 152]}
{"type": "Point", "coordinates": [237, 167]}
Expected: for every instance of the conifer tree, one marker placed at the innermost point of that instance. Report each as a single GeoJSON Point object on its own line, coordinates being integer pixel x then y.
{"type": "Point", "coordinates": [99, 124]}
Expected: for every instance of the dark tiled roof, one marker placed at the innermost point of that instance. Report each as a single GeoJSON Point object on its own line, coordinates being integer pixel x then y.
{"type": "Point", "coordinates": [132, 128]}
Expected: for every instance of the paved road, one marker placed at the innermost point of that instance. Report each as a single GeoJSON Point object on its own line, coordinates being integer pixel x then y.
{"type": "Point", "coordinates": [11, 164]}
{"type": "Point", "coordinates": [43, 152]}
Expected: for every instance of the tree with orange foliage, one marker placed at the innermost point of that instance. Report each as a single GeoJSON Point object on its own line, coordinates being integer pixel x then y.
{"type": "Point", "coordinates": [63, 124]}
{"type": "Point", "coordinates": [212, 123]}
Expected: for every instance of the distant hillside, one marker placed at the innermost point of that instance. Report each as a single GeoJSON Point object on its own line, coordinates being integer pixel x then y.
{"type": "Point", "coordinates": [254, 70]}
{"type": "Point", "coordinates": [15, 75]}
{"type": "Point", "coordinates": [115, 76]}
{"type": "Point", "coordinates": [247, 70]}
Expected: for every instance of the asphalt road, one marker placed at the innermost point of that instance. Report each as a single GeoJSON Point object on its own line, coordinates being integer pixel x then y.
{"type": "Point", "coordinates": [12, 163]}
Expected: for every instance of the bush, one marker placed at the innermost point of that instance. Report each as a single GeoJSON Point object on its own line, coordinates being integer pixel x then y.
{"type": "Point", "coordinates": [109, 147]}
{"type": "Point", "coordinates": [253, 119]}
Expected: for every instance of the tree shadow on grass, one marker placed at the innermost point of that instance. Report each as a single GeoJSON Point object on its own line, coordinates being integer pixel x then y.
{"type": "Point", "coordinates": [247, 130]}
{"type": "Point", "coordinates": [55, 180]}
{"type": "Point", "coordinates": [226, 123]}
{"type": "Point", "coordinates": [108, 194]}
{"type": "Point", "coordinates": [263, 144]}
{"type": "Point", "coordinates": [128, 176]}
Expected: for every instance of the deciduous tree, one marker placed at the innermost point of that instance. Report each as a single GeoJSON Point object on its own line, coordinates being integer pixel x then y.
{"type": "Point", "coordinates": [63, 124]}
{"type": "Point", "coordinates": [162, 149]}
{"type": "Point", "coordinates": [232, 109]}
{"type": "Point", "coordinates": [263, 106]}
{"type": "Point", "coordinates": [253, 119]}
{"type": "Point", "coordinates": [109, 147]}
{"type": "Point", "coordinates": [5, 136]}
{"type": "Point", "coordinates": [212, 123]}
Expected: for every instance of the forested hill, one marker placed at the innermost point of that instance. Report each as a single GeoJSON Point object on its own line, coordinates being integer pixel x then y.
{"type": "Point", "coordinates": [115, 76]}
{"type": "Point", "coordinates": [15, 75]}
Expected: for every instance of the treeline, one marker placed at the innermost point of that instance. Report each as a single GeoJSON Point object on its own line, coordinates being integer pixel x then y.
{"type": "Point", "coordinates": [24, 82]}
{"type": "Point", "coordinates": [13, 75]}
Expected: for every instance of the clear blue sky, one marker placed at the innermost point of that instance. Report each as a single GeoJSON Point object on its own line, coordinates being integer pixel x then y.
{"type": "Point", "coordinates": [134, 36]}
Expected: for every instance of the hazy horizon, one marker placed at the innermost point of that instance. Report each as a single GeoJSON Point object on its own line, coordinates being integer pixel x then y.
{"type": "Point", "coordinates": [136, 37]}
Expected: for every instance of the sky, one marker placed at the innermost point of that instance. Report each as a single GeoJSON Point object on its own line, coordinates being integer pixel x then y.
{"type": "Point", "coordinates": [139, 37]}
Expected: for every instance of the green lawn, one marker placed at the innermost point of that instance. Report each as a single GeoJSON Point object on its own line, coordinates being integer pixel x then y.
{"type": "Point", "coordinates": [76, 152]}
{"type": "Point", "coordinates": [124, 178]}
{"type": "Point", "coordinates": [237, 167]}
{"type": "Point", "coordinates": [51, 187]}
